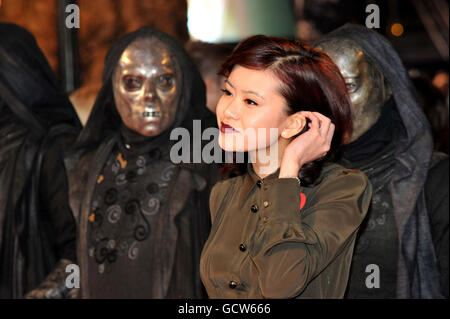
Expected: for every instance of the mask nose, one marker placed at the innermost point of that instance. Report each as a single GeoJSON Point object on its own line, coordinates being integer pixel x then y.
{"type": "Point", "coordinates": [150, 94]}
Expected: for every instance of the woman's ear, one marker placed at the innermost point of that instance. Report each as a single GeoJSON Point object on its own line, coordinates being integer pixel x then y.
{"type": "Point", "coordinates": [294, 125]}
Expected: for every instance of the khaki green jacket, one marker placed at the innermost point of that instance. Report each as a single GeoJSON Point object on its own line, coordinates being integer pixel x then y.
{"type": "Point", "coordinates": [273, 238]}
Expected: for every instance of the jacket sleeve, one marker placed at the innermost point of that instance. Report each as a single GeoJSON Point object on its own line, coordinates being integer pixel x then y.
{"type": "Point", "coordinates": [213, 201]}
{"type": "Point", "coordinates": [218, 195]}
{"type": "Point", "coordinates": [291, 246]}
{"type": "Point", "coordinates": [436, 192]}
{"type": "Point", "coordinates": [61, 227]}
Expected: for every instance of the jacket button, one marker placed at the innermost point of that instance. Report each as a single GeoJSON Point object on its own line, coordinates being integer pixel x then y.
{"type": "Point", "coordinates": [242, 247]}
{"type": "Point", "coordinates": [259, 183]}
{"type": "Point", "coordinates": [232, 284]}
{"type": "Point", "coordinates": [254, 208]}
{"type": "Point", "coordinates": [266, 204]}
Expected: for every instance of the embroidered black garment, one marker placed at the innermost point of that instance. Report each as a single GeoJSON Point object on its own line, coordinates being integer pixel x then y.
{"type": "Point", "coordinates": [377, 239]}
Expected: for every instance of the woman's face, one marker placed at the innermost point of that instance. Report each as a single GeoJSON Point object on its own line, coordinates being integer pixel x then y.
{"type": "Point", "coordinates": [251, 114]}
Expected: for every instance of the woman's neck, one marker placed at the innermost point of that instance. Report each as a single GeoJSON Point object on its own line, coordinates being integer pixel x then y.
{"type": "Point", "coordinates": [267, 161]}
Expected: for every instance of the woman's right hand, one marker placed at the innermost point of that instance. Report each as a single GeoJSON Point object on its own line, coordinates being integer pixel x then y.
{"type": "Point", "coordinates": [309, 146]}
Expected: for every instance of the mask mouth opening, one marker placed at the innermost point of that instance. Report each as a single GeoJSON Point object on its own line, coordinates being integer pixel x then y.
{"type": "Point", "coordinates": [151, 114]}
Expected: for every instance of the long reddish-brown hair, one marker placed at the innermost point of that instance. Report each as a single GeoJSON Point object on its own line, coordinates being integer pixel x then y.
{"type": "Point", "coordinates": [310, 81]}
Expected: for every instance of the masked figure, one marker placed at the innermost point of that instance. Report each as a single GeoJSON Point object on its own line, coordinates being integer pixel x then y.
{"type": "Point", "coordinates": [37, 121]}
{"type": "Point", "coordinates": [402, 248]}
{"type": "Point", "coordinates": [142, 219]}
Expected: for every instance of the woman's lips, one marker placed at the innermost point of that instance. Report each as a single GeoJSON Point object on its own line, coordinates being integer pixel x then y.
{"type": "Point", "coordinates": [225, 128]}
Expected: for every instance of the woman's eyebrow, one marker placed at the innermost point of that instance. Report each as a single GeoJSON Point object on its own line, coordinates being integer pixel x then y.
{"type": "Point", "coordinates": [255, 93]}
{"type": "Point", "coordinates": [246, 91]}
{"type": "Point", "coordinates": [227, 81]}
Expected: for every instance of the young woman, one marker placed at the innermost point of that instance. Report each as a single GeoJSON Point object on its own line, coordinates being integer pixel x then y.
{"type": "Point", "coordinates": [285, 229]}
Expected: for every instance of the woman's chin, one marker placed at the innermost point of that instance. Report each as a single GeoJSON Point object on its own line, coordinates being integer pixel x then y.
{"type": "Point", "coordinates": [230, 146]}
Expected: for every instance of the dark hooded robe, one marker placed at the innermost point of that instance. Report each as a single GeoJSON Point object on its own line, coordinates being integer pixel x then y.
{"type": "Point", "coordinates": [37, 120]}
{"type": "Point", "coordinates": [406, 231]}
{"type": "Point", "coordinates": [142, 220]}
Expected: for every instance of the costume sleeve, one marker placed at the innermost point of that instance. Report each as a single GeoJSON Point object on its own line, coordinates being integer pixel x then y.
{"type": "Point", "coordinates": [291, 246]}
{"type": "Point", "coordinates": [437, 197]}
{"type": "Point", "coordinates": [59, 221]}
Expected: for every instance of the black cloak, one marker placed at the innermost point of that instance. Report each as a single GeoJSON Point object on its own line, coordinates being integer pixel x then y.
{"type": "Point", "coordinates": [34, 111]}
{"type": "Point", "coordinates": [95, 145]}
{"type": "Point", "coordinates": [417, 264]}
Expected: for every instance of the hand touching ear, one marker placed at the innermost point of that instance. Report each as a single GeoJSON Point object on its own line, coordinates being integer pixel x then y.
{"type": "Point", "coordinates": [309, 146]}
{"type": "Point", "coordinates": [296, 122]}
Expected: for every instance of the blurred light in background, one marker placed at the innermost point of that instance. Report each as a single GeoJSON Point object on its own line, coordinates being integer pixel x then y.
{"type": "Point", "coordinates": [397, 29]}
{"type": "Point", "coordinates": [221, 21]}
{"type": "Point", "coordinates": [205, 19]}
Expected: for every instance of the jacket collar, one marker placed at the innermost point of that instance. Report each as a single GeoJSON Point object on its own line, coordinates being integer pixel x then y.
{"type": "Point", "coordinates": [250, 182]}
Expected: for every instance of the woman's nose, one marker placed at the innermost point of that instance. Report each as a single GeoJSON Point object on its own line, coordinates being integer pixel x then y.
{"type": "Point", "coordinates": [232, 110]}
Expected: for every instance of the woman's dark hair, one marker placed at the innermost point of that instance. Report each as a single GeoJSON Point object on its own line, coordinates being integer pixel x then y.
{"type": "Point", "coordinates": [310, 82]}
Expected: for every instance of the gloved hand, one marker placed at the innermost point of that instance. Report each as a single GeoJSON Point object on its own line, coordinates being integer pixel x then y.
{"type": "Point", "coordinates": [54, 285]}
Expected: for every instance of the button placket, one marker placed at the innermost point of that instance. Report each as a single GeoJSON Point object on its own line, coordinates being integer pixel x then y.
{"type": "Point", "coordinates": [266, 203]}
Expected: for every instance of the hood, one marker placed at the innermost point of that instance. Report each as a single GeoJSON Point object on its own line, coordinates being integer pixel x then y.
{"type": "Point", "coordinates": [28, 86]}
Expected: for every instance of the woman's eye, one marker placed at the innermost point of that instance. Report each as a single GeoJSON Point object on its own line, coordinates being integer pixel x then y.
{"type": "Point", "coordinates": [132, 83]}
{"type": "Point", "coordinates": [165, 82]}
{"type": "Point", "coordinates": [251, 102]}
{"type": "Point", "coordinates": [226, 92]}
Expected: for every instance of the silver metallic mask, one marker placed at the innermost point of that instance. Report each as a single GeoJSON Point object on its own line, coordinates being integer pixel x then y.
{"type": "Point", "coordinates": [146, 86]}
{"type": "Point", "coordinates": [365, 83]}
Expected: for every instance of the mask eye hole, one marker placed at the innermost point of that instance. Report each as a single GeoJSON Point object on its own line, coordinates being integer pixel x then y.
{"type": "Point", "coordinates": [132, 83]}
{"type": "Point", "coordinates": [166, 82]}
{"type": "Point", "coordinates": [351, 87]}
